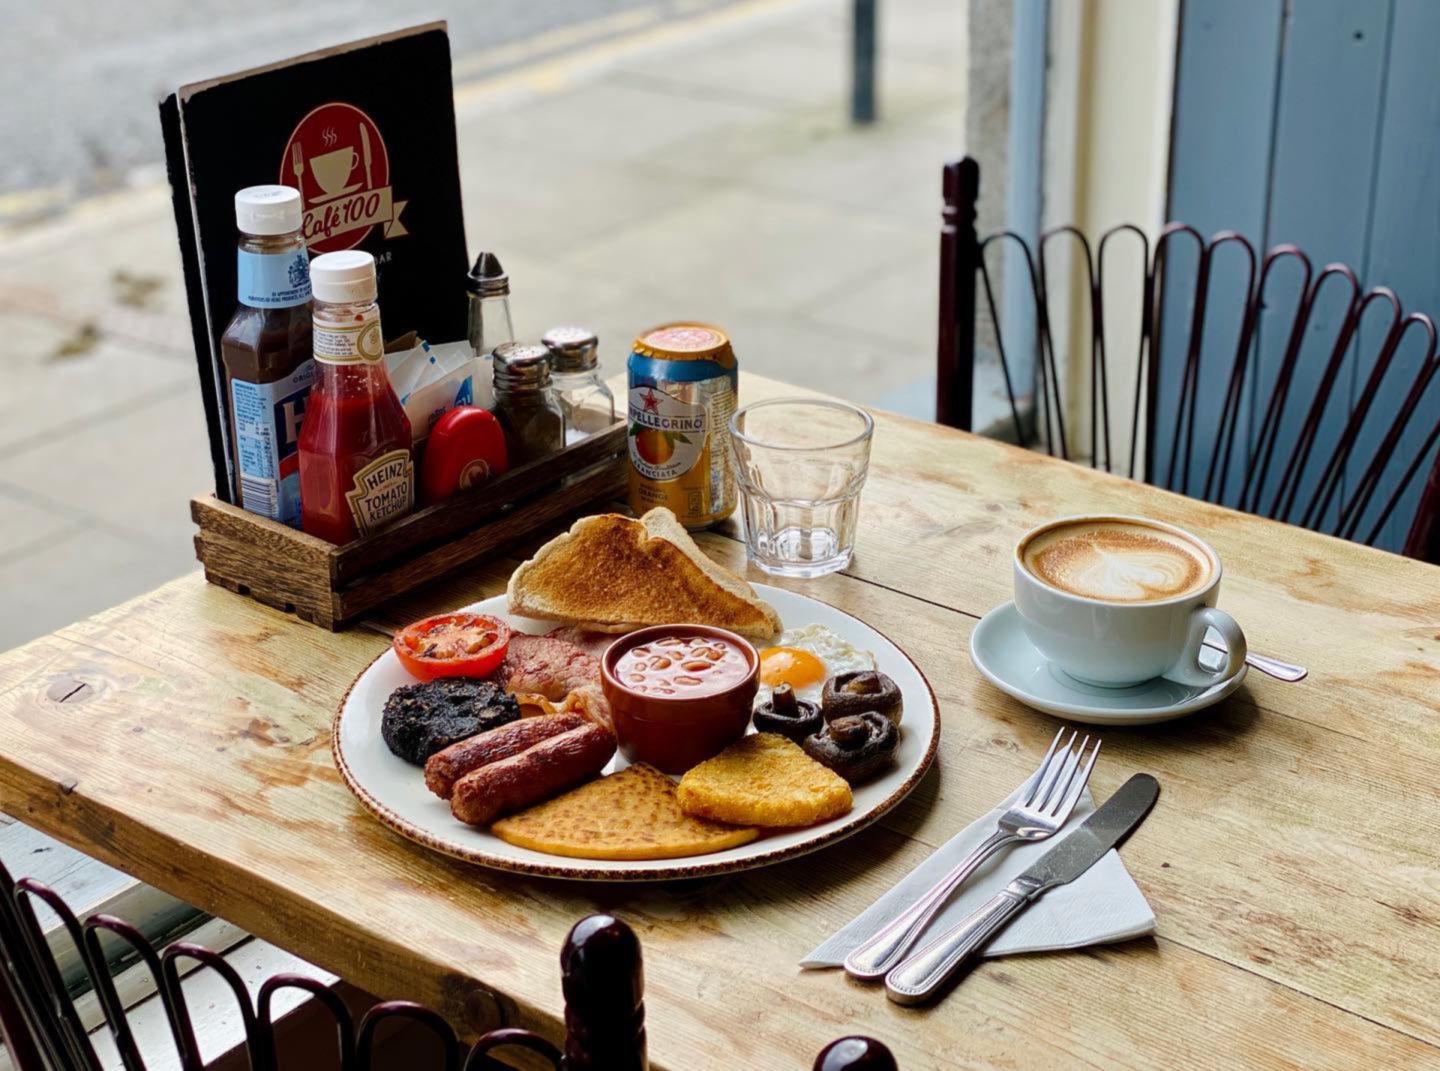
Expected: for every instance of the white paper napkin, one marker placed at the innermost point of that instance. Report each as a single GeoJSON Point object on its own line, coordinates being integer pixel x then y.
{"type": "Point", "coordinates": [1100, 906]}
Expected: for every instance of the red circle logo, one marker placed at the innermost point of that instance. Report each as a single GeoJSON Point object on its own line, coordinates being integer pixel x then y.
{"type": "Point", "coordinates": [336, 158]}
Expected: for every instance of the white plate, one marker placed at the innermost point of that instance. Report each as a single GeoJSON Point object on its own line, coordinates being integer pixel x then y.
{"type": "Point", "coordinates": [395, 793]}
{"type": "Point", "coordinates": [1007, 659]}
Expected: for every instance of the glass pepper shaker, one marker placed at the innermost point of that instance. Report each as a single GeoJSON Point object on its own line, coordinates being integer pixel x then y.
{"type": "Point", "coordinates": [488, 318]}
{"type": "Point", "coordinates": [585, 400]}
{"type": "Point", "coordinates": [525, 403]}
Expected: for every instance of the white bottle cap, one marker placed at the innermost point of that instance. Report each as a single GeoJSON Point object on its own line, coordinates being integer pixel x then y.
{"type": "Point", "coordinates": [342, 277]}
{"type": "Point", "coordinates": [268, 210]}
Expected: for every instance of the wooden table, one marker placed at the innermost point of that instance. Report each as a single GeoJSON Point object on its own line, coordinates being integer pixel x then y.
{"type": "Point", "coordinates": [1291, 860]}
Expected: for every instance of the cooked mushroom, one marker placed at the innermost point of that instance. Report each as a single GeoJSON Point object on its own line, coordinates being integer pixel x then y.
{"type": "Point", "coordinates": [855, 746]}
{"type": "Point", "coordinates": [855, 693]}
{"type": "Point", "coordinates": [790, 717]}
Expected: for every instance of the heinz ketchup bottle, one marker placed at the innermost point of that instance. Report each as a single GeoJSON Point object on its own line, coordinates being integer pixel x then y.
{"type": "Point", "coordinates": [356, 471]}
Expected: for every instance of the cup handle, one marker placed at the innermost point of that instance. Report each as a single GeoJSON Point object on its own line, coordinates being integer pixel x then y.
{"type": "Point", "coordinates": [1188, 669]}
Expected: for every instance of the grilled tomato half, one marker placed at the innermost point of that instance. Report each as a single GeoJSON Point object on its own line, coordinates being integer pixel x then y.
{"type": "Point", "coordinates": [452, 645]}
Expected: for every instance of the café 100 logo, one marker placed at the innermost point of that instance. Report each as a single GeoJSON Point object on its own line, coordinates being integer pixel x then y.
{"type": "Point", "coordinates": [338, 161]}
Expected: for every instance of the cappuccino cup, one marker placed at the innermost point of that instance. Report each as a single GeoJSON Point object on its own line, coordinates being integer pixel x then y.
{"type": "Point", "coordinates": [1115, 601]}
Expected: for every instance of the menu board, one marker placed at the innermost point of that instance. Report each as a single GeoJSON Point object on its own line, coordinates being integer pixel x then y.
{"type": "Point", "coordinates": [366, 132]}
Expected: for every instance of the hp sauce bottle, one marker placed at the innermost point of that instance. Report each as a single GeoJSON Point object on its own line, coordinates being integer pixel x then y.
{"type": "Point", "coordinates": [266, 352]}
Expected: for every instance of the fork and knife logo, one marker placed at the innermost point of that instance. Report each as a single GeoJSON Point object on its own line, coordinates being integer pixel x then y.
{"type": "Point", "coordinates": [337, 158]}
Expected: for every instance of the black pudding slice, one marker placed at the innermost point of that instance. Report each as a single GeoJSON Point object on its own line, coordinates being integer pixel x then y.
{"type": "Point", "coordinates": [421, 719]}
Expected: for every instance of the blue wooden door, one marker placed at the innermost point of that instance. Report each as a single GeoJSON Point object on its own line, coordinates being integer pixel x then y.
{"type": "Point", "coordinates": [1316, 123]}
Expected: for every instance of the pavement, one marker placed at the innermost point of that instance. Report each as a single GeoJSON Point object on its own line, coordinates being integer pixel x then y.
{"type": "Point", "coordinates": [699, 167]}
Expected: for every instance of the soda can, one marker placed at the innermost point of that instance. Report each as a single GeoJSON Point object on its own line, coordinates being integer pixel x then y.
{"type": "Point", "coordinates": [683, 382]}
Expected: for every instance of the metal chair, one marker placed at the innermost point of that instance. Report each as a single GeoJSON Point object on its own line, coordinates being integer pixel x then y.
{"type": "Point", "coordinates": [1266, 446]}
{"type": "Point", "coordinates": [602, 978]}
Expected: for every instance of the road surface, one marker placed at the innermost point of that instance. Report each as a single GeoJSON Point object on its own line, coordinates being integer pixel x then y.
{"type": "Point", "coordinates": [80, 78]}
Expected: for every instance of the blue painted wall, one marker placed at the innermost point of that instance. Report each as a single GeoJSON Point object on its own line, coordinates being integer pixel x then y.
{"type": "Point", "coordinates": [1316, 123]}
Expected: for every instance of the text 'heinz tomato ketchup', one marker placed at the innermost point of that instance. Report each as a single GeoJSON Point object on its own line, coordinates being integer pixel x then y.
{"type": "Point", "coordinates": [356, 470]}
{"type": "Point", "coordinates": [683, 382]}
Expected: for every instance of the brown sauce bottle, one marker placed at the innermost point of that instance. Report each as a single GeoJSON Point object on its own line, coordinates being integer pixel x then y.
{"type": "Point", "coordinates": [267, 353]}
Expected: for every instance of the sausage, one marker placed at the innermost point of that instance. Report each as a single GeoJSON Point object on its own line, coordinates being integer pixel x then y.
{"type": "Point", "coordinates": [546, 768]}
{"type": "Point", "coordinates": [447, 766]}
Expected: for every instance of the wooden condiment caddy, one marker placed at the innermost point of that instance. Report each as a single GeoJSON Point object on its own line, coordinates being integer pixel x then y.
{"type": "Point", "coordinates": [334, 586]}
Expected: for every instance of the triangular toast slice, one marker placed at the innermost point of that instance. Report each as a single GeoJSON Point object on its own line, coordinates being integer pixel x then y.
{"type": "Point", "coordinates": [610, 573]}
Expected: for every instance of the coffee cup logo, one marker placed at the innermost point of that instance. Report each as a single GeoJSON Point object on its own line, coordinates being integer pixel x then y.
{"type": "Point", "coordinates": [337, 159]}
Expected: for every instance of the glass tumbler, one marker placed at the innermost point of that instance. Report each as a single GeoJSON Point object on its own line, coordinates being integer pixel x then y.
{"type": "Point", "coordinates": [800, 464]}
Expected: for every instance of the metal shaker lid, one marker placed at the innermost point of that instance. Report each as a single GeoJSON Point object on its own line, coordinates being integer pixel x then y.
{"type": "Point", "coordinates": [572, 348]}
{"type": "Point", "coordinates": [521, 366]}
{"type": "Point", "coordinates": [488, 278]}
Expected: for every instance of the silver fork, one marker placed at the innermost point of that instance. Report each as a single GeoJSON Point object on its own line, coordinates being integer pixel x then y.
{"type": "Point", "coordinates": [1041, 809]}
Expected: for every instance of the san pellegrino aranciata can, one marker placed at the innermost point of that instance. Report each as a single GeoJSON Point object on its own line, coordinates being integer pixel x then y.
{"type": "Point", "coordinates": [683, 381]}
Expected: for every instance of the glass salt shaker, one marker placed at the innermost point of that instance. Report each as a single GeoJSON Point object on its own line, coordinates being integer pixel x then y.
{"type": "Point", "coordinates": [525, 404]}
{"type": "Point", "coordinates": [585, 400]}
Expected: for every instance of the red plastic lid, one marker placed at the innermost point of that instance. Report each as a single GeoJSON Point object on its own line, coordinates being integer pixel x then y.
{"type": "Point", "coordinates": [466, 448]}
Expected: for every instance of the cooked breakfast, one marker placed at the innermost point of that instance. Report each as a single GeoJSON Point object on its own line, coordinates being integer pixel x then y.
{"type": "Point", "coordinates": [421, 719]}
{"type": "Point", "coordinates": [446, 767]}
{"type": "Point", "coordinates": [516, 731]}
{"type": "Point", "coordinates": [804, 658]}
{"type": "Point", "coordinates": [632, 814]}
{"type": "Point", "coordinates": [452, 645]}
{"type": "Point", "coordinates": [550, 675]}
{"type": "Point", "coordinates": [858, 692]}
{"type": "Point", "coordinates": [682, 664]}
{"type": "Point", "coordinates": [679, 695]}
{"type": "Point", "coordinates": [615, 574]}
{"type": "Point", "coordinates": [537, 773]}
{"type": "Point", "coordinates": [587, 640]}
{"type": "Point", "coordinates": [792, 718]}
{"type": "Point", "coordinates": [856, 746]}
{"type": "Point", "coordinates": [764, 780]}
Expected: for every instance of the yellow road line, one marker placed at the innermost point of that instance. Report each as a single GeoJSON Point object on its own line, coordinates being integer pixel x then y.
{"type": "Point", "coordinates": [650, 32]}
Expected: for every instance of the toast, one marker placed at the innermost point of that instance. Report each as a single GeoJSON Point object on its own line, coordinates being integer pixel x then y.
{"type": "Point", "coordinates": [613, 574]}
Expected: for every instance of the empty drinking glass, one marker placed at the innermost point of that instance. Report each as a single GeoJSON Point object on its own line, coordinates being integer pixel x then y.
{"type": "Point", "coordinates": [800, 465]}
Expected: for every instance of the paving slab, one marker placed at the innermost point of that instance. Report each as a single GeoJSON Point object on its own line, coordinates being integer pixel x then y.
{"type": "Point", "coordinates": [135, 475]}
{"type": "Point", "coordinates": [72, 577]}
{"type": "Point", "coordinates": [607, 121]}
{"type": "Point", "coordinates": [547, 201]}
{"type": "Point", "coordinates": [113, 262]}
{"type": "Point", "coordinates": [59, 378]}
{"type": "Point", "coordinates": [26, 525]}
{"type": "Point", "coordinates": [745, 249]}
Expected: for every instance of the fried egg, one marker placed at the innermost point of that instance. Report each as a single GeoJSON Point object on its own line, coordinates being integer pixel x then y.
{"type": "Point", "coordinates": [805, 658]}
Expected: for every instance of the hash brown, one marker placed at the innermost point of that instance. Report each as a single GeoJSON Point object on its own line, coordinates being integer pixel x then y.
{"type": "Point", "coordinates": [764, 780]}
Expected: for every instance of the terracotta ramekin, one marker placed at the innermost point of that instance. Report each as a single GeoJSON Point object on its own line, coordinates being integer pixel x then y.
{"type": "Point", "coordinates": [674, 733]}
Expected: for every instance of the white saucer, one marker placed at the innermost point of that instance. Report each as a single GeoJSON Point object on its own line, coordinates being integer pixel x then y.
{"type": "Point", "coordinates": [1004, 655]}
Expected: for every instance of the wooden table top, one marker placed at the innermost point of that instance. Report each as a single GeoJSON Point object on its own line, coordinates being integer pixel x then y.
{"type": "Point", "coordinates": [1290, 861]}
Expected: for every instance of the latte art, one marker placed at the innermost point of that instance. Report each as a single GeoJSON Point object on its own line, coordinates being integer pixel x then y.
{"type": "Point", "coordinates": [1117, 561]}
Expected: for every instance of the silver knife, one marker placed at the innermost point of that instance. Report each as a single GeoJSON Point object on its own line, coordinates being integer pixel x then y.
{"type": "Point", "coordinates": [916, 979]}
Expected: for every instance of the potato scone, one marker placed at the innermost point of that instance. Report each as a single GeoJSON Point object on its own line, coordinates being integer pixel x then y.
{"type": "Point", "coordinates": [628, 815]}
{"type": "Point", "coordinates": [764, 780]}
